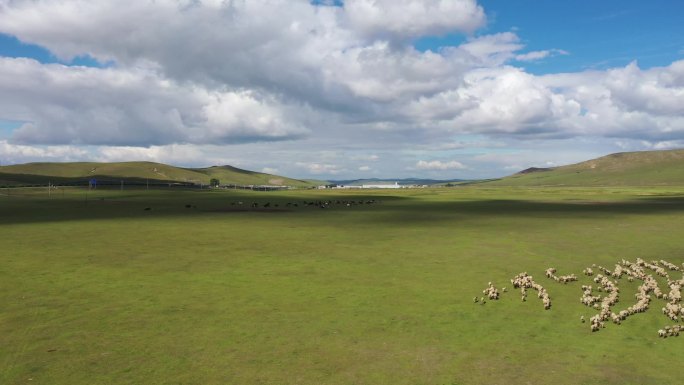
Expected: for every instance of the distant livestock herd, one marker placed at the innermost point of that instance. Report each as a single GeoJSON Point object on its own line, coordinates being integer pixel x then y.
{"type": "Point", "coordinates": [319, 204]}
{"type": "Point", "coordinates": [606, 284]}
{"type": "Point", "coordinates": [241, 205]}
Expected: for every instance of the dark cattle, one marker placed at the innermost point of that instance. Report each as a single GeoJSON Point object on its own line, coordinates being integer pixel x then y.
{"type": "Point", "coordinates": [148, 208]}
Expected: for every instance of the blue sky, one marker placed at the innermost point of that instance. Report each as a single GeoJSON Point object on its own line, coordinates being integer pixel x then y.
{"type": "Point", "coordinates": [597, 34]}
{"type": "Point", "coordinates": [331, 89]}
{"type": "Point", "coordinates": [11, 46]}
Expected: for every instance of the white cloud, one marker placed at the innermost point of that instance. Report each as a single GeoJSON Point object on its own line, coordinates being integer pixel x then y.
{"type": "Point", "coordinates": [311, 86]}
{"type": "Point", "coordinates": [176, 154]}
{"type": "Point", "coordinates": [269, 170]}
{"type": "Point", "coordinates": [499, 100]}
{"type": "Point", "coordinates": [364, 168]}
{"type": "Point", "coordinates": [624, 102]}
{"type": "Point", "coordinates": [414, 18]}
{"type": "Point", "coordinates": [321, 168]}
{"type": "Point", "coordinates": [78, 105]}
{"type": "Point", "coordinates": [493, 50]}
{"type": "Point", "coordinates": [439, 165]}
{"type": "Point", "coordinates": [13, 153]}
{"type": "Point", "coordinates": [538, 55]}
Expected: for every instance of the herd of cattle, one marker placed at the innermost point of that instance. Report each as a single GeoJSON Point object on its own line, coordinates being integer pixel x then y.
{"type": "Point", "coordinates": [608, 293]}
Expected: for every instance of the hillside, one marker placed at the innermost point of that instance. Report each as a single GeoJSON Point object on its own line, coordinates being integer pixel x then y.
{"type": "Point", "coordinates": [136, 172]}
{"type": "Point", "coordinates": [645, 168]}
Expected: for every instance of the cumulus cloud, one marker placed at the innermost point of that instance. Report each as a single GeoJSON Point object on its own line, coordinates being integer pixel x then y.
{"type": "Point", "coordinates": [382, 73]}
{"type": "Point", "coordinates": [186, 74]}
{"type": "Point", "coordinates": [11, 153]}
{"type": "Point", "coordinates": [321, 168]}
{"type": "Point", "coordinates": [78, 105]}
{"type": "Point", "coordinates": [624, 102]}
{"type": "Point", "coordinates": [439, 165]}
{"type": "Point", "coordinates": [414, 18]}
{"type": "Point", "coordinates": [364, 168]}
{"type": "Point", "coordinates": [173, 153]}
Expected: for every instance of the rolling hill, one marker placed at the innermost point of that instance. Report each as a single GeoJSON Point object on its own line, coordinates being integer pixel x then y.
{"type": "Point", "coordinates": [644, 168]}
{"type": "Point", "coordinates": [137, 172]}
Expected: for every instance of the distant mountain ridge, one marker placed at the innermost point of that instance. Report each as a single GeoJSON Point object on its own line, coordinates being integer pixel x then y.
{"type": "Point", "coordinates": [534, 169]}
{"type": "Point", "coordinates": [642, 168]}
{"type": "Point", "coordinates": [138, 173]}
{"type": "Point", "coordinates": [400, 181]}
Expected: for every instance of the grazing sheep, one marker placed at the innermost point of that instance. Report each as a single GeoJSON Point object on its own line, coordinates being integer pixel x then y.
{"type": "Point", "coordinates": [491, 291]}
{"type": "Point", "coordinates": [561, 279]}
{"type": "Point", "coordinates": [670, 331]}
{"type": "Point", "coordinates": [669, 265]}
{"type": "Point", "coordinates": [606, 281]}
{"type": "Point", "coordinates": [524, 282]}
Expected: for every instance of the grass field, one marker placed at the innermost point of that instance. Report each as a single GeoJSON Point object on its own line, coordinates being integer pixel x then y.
{"type": "Point", "coordinates": [98, 290]}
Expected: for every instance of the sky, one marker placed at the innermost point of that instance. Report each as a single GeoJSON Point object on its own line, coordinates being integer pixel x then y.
{"type": "Point", "coordinates": [330, 89]}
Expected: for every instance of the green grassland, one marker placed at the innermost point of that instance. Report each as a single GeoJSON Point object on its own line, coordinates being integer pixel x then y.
{"type": "Point", "coordinates": [646, 168]}
{"type": "Point", "coordinates": [94, 289]}
{"type": "Point", "coordinates": [137, 172]}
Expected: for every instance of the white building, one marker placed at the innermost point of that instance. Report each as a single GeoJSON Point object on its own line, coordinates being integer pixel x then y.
{"type": "Point", "coordinates": [395, 185]}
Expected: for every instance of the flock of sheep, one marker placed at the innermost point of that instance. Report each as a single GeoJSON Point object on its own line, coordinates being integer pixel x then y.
{"type": "Point", "coordinates": [608, 294]}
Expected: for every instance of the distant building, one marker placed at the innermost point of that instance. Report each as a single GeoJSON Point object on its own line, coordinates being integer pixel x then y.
{"type": "Point", "coordinates": [395, 185]}
{"type": "Point", "coordinates": [376, 185]}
